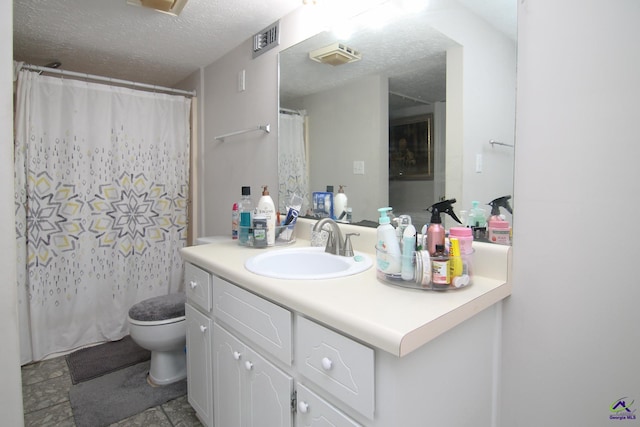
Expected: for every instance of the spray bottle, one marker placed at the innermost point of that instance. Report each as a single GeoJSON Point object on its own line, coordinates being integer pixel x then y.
{"type": "Point", "coordinates": [436, 231]}
{"type": "Point", "coordinates": [496, 204]}
{"type": "Point", "coordinates": [499, 230]}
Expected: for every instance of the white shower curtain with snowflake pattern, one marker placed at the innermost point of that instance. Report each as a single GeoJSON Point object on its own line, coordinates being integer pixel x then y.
{"type": "Point", "coordinates": [101, 178]}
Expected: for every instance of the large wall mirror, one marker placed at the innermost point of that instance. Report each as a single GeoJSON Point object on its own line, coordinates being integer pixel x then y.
{"type": "Point", "coordinates": [411, 121]}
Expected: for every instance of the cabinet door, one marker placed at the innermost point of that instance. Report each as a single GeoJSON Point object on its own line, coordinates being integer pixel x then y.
{"type": "Point", "coordinates": [199, 380]}
{"type": "Point", "coordinates": [313, 411]}
{"type": "Point", "coordinates": [248, 390]}
{"type": "Point", "coordinates": [269, 393]}
{"type": "Point", "coordinates": [229, 355]}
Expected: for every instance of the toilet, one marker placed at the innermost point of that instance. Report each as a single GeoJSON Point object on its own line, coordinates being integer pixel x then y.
{"type": "Point", "coordinates": [158, 324]}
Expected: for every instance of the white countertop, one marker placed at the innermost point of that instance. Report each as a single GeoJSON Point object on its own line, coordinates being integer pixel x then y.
{"type": "Point", "coordinates": [394, 319]}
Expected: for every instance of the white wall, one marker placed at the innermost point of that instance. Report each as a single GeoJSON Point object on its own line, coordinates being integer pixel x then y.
{"type": "Point", "coordinates": [356, 111]}
{"type": "Point", "coordinates": [481, 82]}
{"type": "Point", "coordinates": [250, 159]}
{"type": "Point", "coordinates": [571, 341]}
{"type": "Point", "coordinates": [10, 391]}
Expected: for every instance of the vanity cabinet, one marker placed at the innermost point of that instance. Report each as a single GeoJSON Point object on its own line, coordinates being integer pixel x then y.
{"type": "Point", "coordinates": [253, 362]}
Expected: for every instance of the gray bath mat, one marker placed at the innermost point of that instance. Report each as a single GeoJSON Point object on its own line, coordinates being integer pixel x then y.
{"type": "Point", "coordinates": [93, 362]}
{"type": "Point", "coordinates": [119, 395]}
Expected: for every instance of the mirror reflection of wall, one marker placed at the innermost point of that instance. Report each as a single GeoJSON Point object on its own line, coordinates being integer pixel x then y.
{"type": "Point", "coordinates": [446, 62]}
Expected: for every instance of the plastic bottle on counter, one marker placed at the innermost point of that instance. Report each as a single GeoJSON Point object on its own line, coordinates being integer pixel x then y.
{"type": "Point", "coordinates": [387, 247]}
{"type": "Point", "coordinates": [235, 221]}
{"type": "Point", "coordinates": [441, 273]}
{"type": "Point", "coordinates": [408, 249]}
{"type": "Point", "coordinates": [245, 207]}
{"type": "Point", "coordinates": [340, 204]}
{"type": "Point", "coordinates": [465, 237]}
{"type": "Point", "coordinates": [267, 208]}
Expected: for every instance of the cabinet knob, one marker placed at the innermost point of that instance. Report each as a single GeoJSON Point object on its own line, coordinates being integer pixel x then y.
{"type": "Point", "coordinates": [193, 284]}
{"type": "Point", "coordinates": [327, 364]}
{"type": "Point", "coordinates": [303, 407]}
{"type": "Point", "coordinates": [248, 365]}
{"type": "Point", "coordinates": [237, 355]}
{"type": "Point", "coordinates": [203, 328]}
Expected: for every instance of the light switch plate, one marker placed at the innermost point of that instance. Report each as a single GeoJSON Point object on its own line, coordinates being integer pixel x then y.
{"type": "Point", "coordinates": [358, 167]}
{"type": "Point", "coordinates": [478, 163]}
{"type": "Point", "coordinates": [242, 75]}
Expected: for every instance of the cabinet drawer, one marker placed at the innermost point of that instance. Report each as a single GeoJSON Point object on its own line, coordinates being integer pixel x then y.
{"type": "Point", "coordinates": [266, 324]}
{"type": "Point", "coordinates": [337, 364]}
{"type": "Point", "coordinates": [197, 283]}
{"type": "Point", "coordinates": [312, 410]}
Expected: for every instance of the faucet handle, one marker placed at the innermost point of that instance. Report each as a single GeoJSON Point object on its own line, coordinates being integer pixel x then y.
{"type": "Point", "coordinates": [331, 243]}
{"type": "Point", "coordinates": [348, 248]}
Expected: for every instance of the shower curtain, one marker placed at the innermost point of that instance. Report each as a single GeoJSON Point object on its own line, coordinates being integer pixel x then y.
{"type": "Point", "coordinates": [101, 178]}
{"type": "Point", "coordinates": [292, 161]}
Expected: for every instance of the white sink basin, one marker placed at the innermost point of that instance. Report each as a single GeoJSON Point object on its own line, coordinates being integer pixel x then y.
{"type": "Point", "coordinates": [306, 263]}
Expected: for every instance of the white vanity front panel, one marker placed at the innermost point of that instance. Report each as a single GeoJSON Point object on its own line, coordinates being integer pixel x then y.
{"type": "Point", "coordinates": [198, 286]}
{"type": "Point", "coordinates": [266, 324]}
{"type": "Point", "coordinates": [337, 364]}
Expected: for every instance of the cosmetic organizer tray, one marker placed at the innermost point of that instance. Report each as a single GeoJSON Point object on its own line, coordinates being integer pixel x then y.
{"type": "Point", "coordinates": [285, 235]}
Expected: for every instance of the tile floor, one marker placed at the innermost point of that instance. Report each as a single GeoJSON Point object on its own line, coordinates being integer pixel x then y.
{"type": "Point", "coordinates": [45, 393]}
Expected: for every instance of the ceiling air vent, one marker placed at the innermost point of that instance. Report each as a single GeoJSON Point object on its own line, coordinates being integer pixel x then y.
{"type": "Point", "coordinates": [335, 54]}
{"type": "Point", "coordinates": [171, 7]}
{"type": "Point", "coordinates": [266, 39]}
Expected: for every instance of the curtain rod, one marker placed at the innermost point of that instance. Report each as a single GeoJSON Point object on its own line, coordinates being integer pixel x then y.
{"type": "Point", "coordinates": [108, 79]}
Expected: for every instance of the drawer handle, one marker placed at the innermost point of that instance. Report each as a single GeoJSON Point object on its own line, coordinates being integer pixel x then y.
{"type": "Point", "coordinates": [327, 364]}
{"type": "Point", "coordinates": [237, 355]}
{"type": "Point", "coordinates": [203, 328]}
{"type": "Point", "coordinates": [193, 284]}
{"type": "Point", "coordinates": [303, 407]}
{"type": "Point", "coordinates": [248, 365]}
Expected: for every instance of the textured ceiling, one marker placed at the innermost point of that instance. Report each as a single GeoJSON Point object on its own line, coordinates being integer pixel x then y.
{"type": "Point", "coordinates": [411, 54]}
{"type": "Point", "coordinates": [111, 38]}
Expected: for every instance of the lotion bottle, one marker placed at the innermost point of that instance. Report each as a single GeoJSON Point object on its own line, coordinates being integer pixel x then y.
{"type": "Point", "coordinates": [267, 208]}
{"type": "Point", "coordinates": [340, 204]}
{"type": "Point", "coordinates": [408, 249]}
{"type": "Point", "coordinates": [387, 247]}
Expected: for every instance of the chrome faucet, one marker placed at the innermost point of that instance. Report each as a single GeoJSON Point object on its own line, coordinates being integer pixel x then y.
{"type": "Point", "coordinates": [336, 244]}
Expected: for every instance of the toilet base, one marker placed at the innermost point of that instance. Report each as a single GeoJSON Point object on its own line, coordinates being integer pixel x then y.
{"type": "Point", "coordinates": [168, 366]}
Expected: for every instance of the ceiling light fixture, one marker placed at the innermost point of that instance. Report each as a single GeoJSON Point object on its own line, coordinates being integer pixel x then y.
{"type": "Point", "coordinates": [171, 7]}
